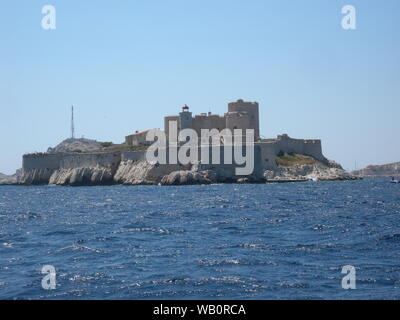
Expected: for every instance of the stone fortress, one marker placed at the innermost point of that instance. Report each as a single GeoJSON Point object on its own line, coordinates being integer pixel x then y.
{"type": "Point", "coordinates": [130, 167]}
{"type": "Point", "coordinates": [241, 115]}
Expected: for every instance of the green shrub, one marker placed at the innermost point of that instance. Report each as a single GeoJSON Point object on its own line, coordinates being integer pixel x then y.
{"type": "Point", "coordinates": [291, 159]}
{"type": "Point", "coordinates": [106, 144]}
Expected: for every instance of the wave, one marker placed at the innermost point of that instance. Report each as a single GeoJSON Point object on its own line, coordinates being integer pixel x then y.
{"type": "Point", "coordinates": [391, 237]}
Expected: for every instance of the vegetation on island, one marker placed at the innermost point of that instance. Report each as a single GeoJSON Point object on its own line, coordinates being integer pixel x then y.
{"type": "Point", "coordinates": [293, 159]}
{"type": "Point", "coordinates": [83, 145]}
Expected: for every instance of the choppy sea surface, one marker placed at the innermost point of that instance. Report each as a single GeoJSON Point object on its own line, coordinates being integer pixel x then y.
{"type": "Point", "coordinates": [264, 241]}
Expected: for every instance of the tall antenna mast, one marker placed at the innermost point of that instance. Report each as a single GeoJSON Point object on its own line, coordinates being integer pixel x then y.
{"type": "Point", "coordinates": [72, 123]}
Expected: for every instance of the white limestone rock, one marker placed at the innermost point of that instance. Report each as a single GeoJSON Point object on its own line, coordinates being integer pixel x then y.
{"type": "Point", "coordinates": [317, 171]}
{"type": "Point", "coordinates": [76, 145]}
{"type": "Point", "coordinates": [189, 177]}
{"type": "Point", "coordinates": [35, 177]}
{"type": "Point", "coordinates": [82, 176]}
{"type": "Point", "coordinates": [6, 179]}
{"type": "Point", "coordinates": [142, 172]}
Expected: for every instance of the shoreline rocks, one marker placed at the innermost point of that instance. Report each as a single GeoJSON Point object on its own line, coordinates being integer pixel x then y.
{"type": "Point", "coordinates": [189, 178]}
{"type": "Point", "coordinates": [307, 172]}
{"type": "Point", "coordinates": [141, 172]}
{"type": "Point", "coordinates": [8, 179]}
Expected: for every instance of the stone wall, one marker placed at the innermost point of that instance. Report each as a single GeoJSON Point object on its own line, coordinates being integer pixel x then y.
{"type": "Point", "coordinates": [41, 161]}
{"type": "Point", "coordinates": [62, 168]}
{"type": "Point", "coordinates": [37, 168]}
{"type": "Point", "coordinates": [239, 120]}
{"type": "Point", "coordinates": [229, 170]}
{"type": "Point", "coordinates": [270, 148]}
{"type": "Point", "coordinates": [309, 147]}
{"type": "Point", "coordinates": [208, 121]}
{"type": "Point", "coordinates": [86, 169]}
{"type": "Point", "coordinates": [132, 168]}
{"type": "Point", "coordinates": [91, 160]}
{"type": "Point", "coordinates": [268, 155]}
{"type": "Point", "coordinates": [133, 156]}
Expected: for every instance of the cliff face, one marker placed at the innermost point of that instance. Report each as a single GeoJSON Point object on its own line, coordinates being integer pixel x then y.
{"type": "Point", "coordinates": [36, 176]}
{"type": "Point", "coordinates": [136, 172]}
{"type": "Point", "coordinates": [142, 172]}
{"type": "Point", "coordinates": [386, 170]}
{"type": "Point", "coordinates": [207, 174]}
{"type": "Point", "coordinates": [82, 176]}
{"type": "Point", "coordinates": [131, 168]}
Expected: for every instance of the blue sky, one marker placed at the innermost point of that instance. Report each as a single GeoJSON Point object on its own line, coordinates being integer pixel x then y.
{"type": "Point", "coordinates": [125, 64]}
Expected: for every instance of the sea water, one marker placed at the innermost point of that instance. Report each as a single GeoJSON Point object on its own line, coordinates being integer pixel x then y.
{"type": "Point", "coordinates": [261, 241]}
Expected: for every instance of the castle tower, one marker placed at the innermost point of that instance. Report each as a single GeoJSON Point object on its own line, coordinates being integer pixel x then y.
{"type": "Point", "coordinates": [238, 120]}
{"type": "Point", "coordinates": [185, 118]}
{"type": "Point", "coordinates": [250, 116]}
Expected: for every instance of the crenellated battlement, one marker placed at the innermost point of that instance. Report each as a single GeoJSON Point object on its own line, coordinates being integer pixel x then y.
{"type": "Point", "coordinates": [285, 137]}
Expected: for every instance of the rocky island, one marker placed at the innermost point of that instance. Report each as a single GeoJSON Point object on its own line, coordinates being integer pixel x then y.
{"type": "Point", "coordinates": [10, 179]}
{"type": "Point", "coordinates": [384, 171]}
{"type": "Point", "coordinates": [88, 162]}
